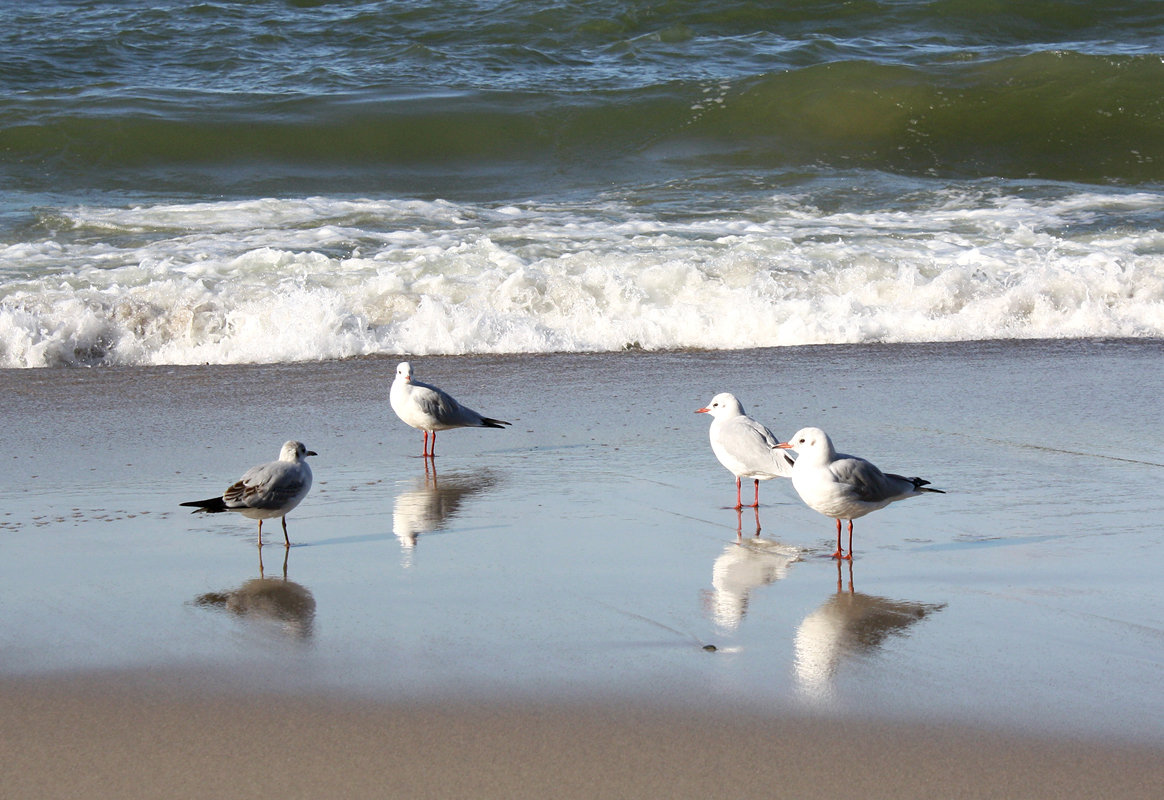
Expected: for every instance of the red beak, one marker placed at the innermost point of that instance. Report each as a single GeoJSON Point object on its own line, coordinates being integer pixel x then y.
{"type": "Point", "coordinates": [701, 411]}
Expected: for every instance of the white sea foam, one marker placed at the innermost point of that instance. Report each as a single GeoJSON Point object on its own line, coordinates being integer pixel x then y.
{"type": "Point", "coordinates": [318, 278]}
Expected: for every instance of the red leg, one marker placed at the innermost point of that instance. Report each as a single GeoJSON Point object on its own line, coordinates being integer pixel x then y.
{"type": "Point", "coordinates": [757, 503]}
{"type": "Point", "coordinates": [432, 452]}
{"type": "Point", "coordinates": [840, 553]}
{"type": "Point", "coordinates": [285, 537]}
{"type": "Point", "coordinates": [424, 451]}
{"type": "Point", "coordinates": [739, 502]}
{"type": "Point", "coordinates": [850, 555]}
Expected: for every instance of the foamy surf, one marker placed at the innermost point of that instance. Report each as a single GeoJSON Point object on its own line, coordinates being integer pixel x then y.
{"type": "Point", "coordinates": [321, 278]}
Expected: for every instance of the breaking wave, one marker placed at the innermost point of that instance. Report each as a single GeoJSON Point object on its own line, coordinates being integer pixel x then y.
{"type": "Point", "coordinates": [325, 278]}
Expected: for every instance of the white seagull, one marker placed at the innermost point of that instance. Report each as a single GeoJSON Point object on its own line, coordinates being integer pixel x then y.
{"type": "Point", "coordinates": [431, 409]}
{"type": "Point", "coordinates": [743, 445]}
{"type": "Point", "coordinates": [843, 486]}
{"type": "Point", "coordinates": [267, 491]}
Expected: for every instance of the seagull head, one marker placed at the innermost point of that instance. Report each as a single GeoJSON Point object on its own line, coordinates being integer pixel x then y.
{"type": "Point", "coordinates": [723, 405]}
{"type": "Point", "coordinates": [809, 440]}
{"type": "Point", "coordinates": [295, 451]}
{"type": "Point", "coordinates": [404, 372]}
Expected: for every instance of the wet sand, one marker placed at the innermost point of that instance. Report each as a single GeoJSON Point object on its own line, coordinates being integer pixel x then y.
{"type": "Point", "coordinates": [112, 738]}
{"type": "Point", "coordinates": [563, 608]}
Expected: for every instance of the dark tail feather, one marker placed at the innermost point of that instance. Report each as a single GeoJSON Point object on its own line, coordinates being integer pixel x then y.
{"type": "Point", "coordinates": [918, 483]}
{"type": "Point", "coordinates": [212, 506]}
{"type": "Point", "coordinates": [493, 423]}
{"type": "Point", "coordinates": [921, 485]}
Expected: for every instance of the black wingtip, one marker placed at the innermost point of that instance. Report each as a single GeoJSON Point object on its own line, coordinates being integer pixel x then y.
{"type": "Point", "coordinates": [486, 422]}
{"type": "Point", "coordinates": [211, 505]}
{"type": "Point", "coordinates": [919, 483]}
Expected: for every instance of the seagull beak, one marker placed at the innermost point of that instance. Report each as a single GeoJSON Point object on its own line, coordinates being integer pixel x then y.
{"type": "Point", "coordinates": [312, 453]}
{"type": "Point", "coordinates": [785, 445]}
{"type": "Point", "coordinates": [701, 411]}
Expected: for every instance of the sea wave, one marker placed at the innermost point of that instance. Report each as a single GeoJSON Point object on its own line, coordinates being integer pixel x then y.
{"type": "Point", "coordinates": [1051, 115]}
{"type": "Point", "coordinates": [322, 278]}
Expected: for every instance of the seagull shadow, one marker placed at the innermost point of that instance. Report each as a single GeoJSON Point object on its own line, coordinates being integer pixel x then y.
{"type": "Point", "coordinates": [848, 627]}
{"type": "Point", "coordinates": [277, 605]}
{"type": "Point", "coordinates": [743, 567]}
{"type": "Point", "coordinates": [432, 502]}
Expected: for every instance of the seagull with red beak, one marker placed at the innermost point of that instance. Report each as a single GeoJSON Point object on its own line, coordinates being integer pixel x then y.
{"type": "Point", "coordinates": [431, 409]}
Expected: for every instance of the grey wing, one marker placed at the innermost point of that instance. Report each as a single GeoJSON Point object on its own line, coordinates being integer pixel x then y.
{"type": "Point", "coordinates": [754, 440]}
{"type": "Point", "coordinates": [269, 486]}
{"type": "Point", "coordinates": [766, 436]}
{"type": "Point", "coordinates": [869, 483]}
{"type": "Point", "coordinates": [441, 406]}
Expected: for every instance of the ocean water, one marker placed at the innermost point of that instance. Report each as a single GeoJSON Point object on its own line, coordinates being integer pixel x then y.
{"type": "Point", "coordinates": [224, 182]}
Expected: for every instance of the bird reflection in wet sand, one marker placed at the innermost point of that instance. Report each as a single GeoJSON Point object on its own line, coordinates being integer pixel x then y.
{"type": "Point", "coordinates": [278, 603]}
{"type": "Point", "coordinates": [432, 502]}
{"type": "Point", "coordinates": [740, 524]}
{"type": "Point", "coordinates": [849, 626]}
{"type": "Point", "coordinates": [745, 565]}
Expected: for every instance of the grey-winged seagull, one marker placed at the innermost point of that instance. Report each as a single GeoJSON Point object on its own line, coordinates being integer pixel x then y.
{"type": "Point", "coordinates": [743, 445]}
{"type": "Point", "coordinates": [843, 486]}
{"type": "Point", "coordinates": [267, 491]}
{"type": "Point", "coordinates": [431, 409]}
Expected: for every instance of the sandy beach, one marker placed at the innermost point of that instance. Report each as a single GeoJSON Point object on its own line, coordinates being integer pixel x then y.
{"type": "Point", "coordinates": [563, 608]}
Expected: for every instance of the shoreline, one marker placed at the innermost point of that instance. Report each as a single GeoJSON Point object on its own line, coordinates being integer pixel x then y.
{"type": "Point", "coordinates": [1067, 343]}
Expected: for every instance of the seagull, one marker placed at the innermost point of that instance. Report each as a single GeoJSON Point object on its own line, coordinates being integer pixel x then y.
{"type": "Point", "coordinates": [743, 445]}
{"type": "Point", "coordinates": [431, 409]}
{"type": "Point", "coordinates": [267, 491]}
{"type": "Point", "coordinates": [843, 486]}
